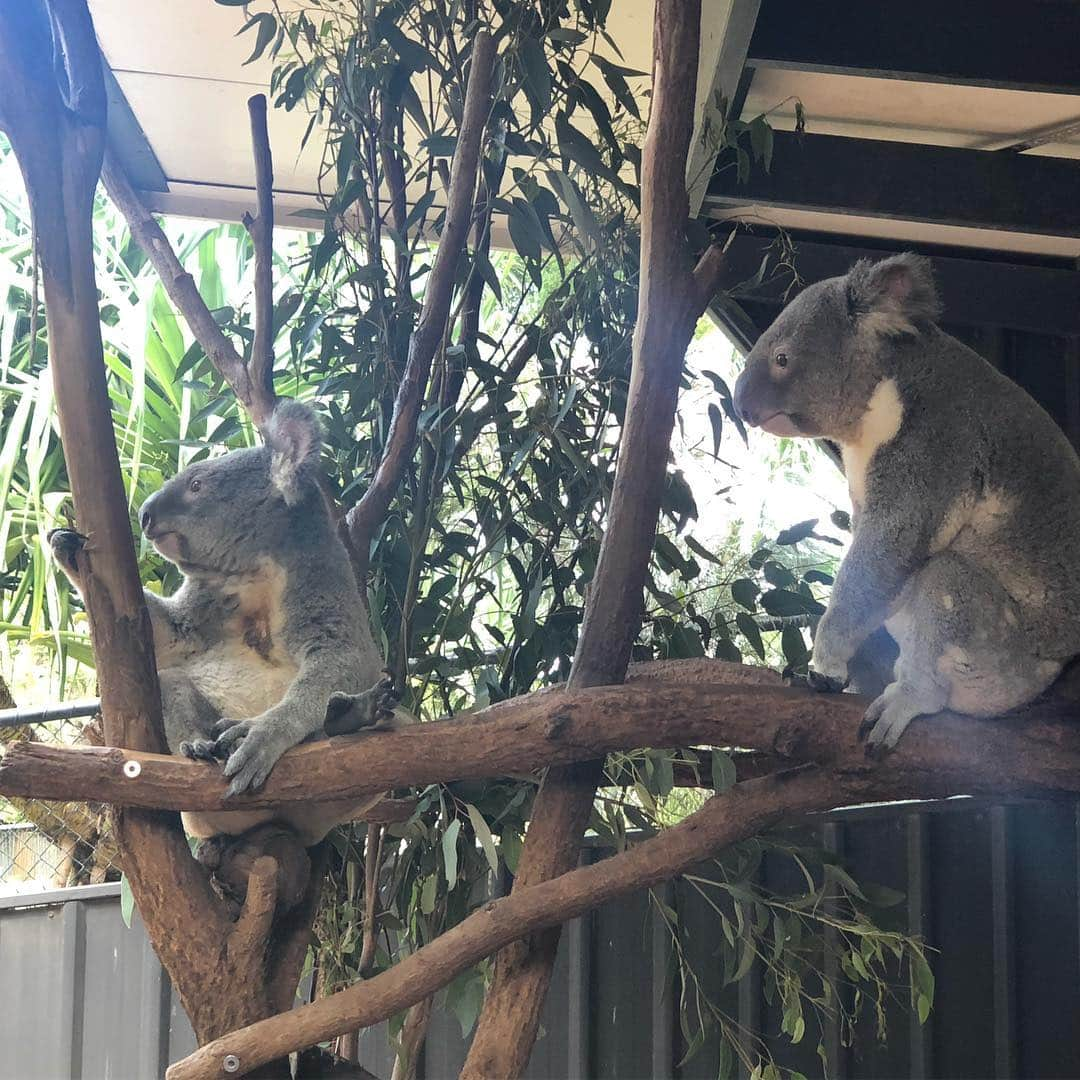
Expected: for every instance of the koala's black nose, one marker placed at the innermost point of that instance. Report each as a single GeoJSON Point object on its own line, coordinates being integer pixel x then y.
{"type": "Point", "coordinates": [146, 515]}
{"type": "Point", "coordinates": [744, 411]}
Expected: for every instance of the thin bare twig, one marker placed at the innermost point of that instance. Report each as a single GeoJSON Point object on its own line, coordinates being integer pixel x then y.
{"type": "Point", "coordinates": [261, 229]}
{"type": "Point", "coordinates": [252, 383]}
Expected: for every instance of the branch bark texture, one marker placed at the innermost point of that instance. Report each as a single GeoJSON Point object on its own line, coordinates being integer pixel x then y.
{"type": "Point", "coordinates": [671, 704]}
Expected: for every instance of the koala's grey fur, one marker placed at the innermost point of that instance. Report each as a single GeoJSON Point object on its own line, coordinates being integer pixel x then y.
{"type": "Point", "coordinates": [268, 623]}
{"type": "Point", "coordinates": [966, 497]}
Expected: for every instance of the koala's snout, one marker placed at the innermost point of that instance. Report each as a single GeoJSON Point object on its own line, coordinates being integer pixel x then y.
{"type": "Point", "coordinates": [147, 518]}
{"type": "Point", "coordinates": [741, 399]}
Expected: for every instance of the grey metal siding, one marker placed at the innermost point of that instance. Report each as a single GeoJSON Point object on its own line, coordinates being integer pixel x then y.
{"type": "Point", "coordinates": [994, 888]}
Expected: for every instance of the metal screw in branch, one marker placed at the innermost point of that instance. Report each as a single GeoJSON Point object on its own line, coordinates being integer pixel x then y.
{"type": "Point", "coordinates": [132, 769]}
{"type": "Point", "coordinates": [230, 1063]}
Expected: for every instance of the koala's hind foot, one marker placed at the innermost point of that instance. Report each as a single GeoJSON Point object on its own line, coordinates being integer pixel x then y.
{"type": "Point", "coordinates": [889, 714]}
{"type": "Point", "coordinates": [371, 710]}
{"type": "Point", "coordinates": [66, 545]}
{"type": "Point", "coordinates": [230, 860]}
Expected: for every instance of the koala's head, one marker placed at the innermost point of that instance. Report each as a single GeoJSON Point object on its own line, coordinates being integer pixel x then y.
{"type": "Point", "coordinates": [220, 516]}
{"type": "Point", "coordinates": [811, 373]}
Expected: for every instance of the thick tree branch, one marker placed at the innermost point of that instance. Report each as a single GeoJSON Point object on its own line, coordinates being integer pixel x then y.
{"type": "Point", "coordinates": [744, 811]}
{"type": "Point", "coordinates": [670, 301]}
{"type": "Point", "coordinates": [683, 703]}
{"type": "Point", "coordinates": [366, 517]}
{"type": "Point", "coordinates": [261, 228]}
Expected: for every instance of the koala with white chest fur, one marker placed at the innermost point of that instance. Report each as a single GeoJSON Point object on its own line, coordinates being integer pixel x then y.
{"type": "Point", "coordinates": [267, 626]}
{"type": "Point", "coordinates": [965, 497]}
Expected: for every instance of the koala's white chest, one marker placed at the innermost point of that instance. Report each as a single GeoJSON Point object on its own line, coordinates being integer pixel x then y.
{"type": "Point", "coordinates": [249, 669]}
{"type": "Point", "coordinates": [879, 424]}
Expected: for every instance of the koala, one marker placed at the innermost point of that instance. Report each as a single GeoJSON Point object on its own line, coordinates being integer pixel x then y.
{"type": "Point", "coordinates": [267, 638]}
{"type": "Point", "coordinates": [965, 498]}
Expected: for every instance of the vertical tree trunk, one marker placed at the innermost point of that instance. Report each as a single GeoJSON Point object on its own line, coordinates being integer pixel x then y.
{"type": "Point", "coordinates": [52, 107]}
{"type": "Point", "coordinates": [670, 302]}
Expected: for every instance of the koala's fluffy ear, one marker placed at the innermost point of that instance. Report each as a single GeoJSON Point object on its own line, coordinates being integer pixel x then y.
{"type": "Point", "coordinates": [294, 435]}
{"type": "Point", "coordinates": [894, 296]}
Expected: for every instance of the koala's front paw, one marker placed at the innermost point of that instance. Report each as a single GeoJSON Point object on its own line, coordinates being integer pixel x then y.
{"type": "Point", "coordinates": [374, 708]}
{"type": "Point", "coordinates": [257, 749]}
{"type": "Point", "coordinates": [66, 545]}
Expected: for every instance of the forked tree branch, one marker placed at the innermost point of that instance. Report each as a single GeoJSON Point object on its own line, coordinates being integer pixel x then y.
{"type": "Point", "coordinates": [365, 518]}
{"type": "Point", "coordinates": [744, 811]}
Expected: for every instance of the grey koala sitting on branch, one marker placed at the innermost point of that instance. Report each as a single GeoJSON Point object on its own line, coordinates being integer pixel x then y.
{"type": "Point", "coordinates": [266, 642]}
{"type": "Point", "coordinates": [965, 497]}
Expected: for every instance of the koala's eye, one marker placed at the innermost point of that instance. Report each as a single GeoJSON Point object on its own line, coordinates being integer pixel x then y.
{"type": "Point", "coordinates": [780, 360]}
{"type": "Point", "coordinates": [195, 485]}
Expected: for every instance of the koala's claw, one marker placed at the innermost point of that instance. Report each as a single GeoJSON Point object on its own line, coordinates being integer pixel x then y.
{"type": "Point", "coordinates": [814, 680]}
{"type": "Point", "coordinates": [199, 750]}
{"type": "Point", "coordinates": [387, 700]}
{"type": "Point", "coordinates": [886, 719]}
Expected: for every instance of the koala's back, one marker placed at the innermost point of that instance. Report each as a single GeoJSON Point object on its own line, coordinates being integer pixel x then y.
{"type": "Point", "coordinates": [1008, 478]}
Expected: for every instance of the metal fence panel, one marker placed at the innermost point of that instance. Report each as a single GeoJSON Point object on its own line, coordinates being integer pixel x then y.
{"type": "Point", "coordinates": [83, 996]}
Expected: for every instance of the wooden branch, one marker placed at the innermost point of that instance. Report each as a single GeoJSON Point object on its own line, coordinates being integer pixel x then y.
{"type": "Point", "coordinates": [261, 228]}
{"type": "Point", "coordinates": [177, 282]}
{"type": "Point", "coordinates": [366, 517]}
{"type": "Point", "coordinates": [685, 703]}
{"type": "Point", "coordinates": [253, 926]}
{"type": "Point", "coordinates": [58, 137]}
{"type": "Point", "coordinates": [709, 274]}
{"type": "Point", "coordinates": [746, 810]}
{"type": "Point", "coordinates": [253, 383]}
{"type": "Point", "coordinates": [670, 301]}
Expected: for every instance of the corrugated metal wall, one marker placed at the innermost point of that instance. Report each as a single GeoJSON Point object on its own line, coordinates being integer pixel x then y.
{"type": "Point", "coordinates": [995, 888]}
{"type": "Point", "coordinates": [82, 997]}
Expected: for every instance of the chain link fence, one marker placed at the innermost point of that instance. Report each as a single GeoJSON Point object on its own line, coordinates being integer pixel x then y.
{"type": "Point", "coordinates": [52, 845]}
